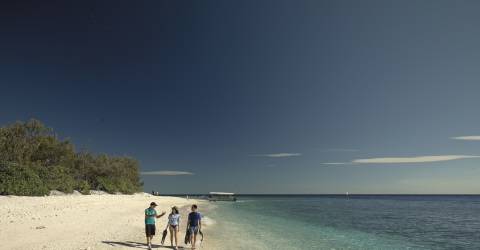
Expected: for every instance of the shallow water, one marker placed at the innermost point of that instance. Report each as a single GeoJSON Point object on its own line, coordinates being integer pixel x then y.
{"type": "Point", "coordinates": [359, 222]}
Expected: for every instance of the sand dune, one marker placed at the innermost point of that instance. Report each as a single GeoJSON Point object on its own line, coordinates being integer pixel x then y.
{"type": "Point", "coordinates": [81, 221]}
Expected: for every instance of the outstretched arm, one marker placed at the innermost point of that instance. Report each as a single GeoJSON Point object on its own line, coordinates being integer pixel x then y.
{"type": "Point", "coordinates": [162, 214]}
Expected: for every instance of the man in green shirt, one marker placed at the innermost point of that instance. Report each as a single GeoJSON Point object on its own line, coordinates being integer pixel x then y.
{"type": "Point", "coordinates": [150, 215]}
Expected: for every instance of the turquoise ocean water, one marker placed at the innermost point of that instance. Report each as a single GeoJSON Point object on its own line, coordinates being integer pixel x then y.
{"type": "Point", "coordinates": [359, 222]}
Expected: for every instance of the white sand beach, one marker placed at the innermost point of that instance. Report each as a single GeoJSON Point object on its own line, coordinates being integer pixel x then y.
{"type": "Point", "coordinates": [85, 221]}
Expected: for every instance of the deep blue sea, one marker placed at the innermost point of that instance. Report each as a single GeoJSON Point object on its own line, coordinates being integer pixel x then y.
{"type": "Point", "coordinates": [356, 222]}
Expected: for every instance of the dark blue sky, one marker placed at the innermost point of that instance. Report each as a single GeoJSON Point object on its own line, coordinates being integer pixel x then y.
{"type": "Point", "coordinates": [256, 96]}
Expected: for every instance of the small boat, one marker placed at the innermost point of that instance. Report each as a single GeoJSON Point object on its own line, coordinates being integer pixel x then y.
{"type": "Point", "coordinates": [221, 196]}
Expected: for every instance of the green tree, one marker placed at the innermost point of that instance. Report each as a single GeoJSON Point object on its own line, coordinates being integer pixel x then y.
{"type": "Point", "coordinates": [43, 159]}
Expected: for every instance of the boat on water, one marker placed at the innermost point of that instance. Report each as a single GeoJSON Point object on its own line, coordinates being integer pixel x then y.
{"type": "Point", "coordinates": [221, 196]}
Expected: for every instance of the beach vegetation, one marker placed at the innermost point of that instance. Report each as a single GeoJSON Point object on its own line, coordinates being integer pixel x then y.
{"type": "Point", "coordinates": [34, 160]}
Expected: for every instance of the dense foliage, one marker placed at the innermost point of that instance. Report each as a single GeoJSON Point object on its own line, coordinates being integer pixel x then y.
{"type": "Point", "coordinates": [33, 161]}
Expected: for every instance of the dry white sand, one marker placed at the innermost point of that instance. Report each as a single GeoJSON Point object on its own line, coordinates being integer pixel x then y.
{"type": "Point", "coordinates": [84, 221]}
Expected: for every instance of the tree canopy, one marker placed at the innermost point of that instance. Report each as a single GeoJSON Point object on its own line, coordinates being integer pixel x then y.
{"type": "Point", "coordinates": [33, 161]}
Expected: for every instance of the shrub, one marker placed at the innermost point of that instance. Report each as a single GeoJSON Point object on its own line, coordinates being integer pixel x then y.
{"type": "Point", "coordinates": [20, 180]}
{"type": "Point", "coordinates": [83, 187]}
{"type": "Point", "coordinates": [57, 178]}
{"type": "Point", "coordinates": [107, 185]}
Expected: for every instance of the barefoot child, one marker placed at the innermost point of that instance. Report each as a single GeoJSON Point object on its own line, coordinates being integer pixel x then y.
{"type": "Point", "coordinates": [194, 224]}
{"type": "Point", "coordinates": [174, 226]}
{"type": "Point", "coordinates": [150, 215]}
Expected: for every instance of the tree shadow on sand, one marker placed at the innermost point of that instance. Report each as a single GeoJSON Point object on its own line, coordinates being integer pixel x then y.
{"type": "Point", "coordinates": [133, 244]}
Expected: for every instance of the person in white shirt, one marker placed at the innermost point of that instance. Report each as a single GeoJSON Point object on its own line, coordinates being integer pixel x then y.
{"type": "Point", "coordinates": [174, 226]}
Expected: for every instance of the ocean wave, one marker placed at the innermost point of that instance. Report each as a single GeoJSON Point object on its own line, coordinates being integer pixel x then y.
{"type": "Point", "coordinates": [207, 221]}
{"type": "Point", "coordinates": [243, 201]}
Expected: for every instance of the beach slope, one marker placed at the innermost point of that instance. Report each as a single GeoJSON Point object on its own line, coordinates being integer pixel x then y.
{"type": "Point", "coordinates": [80, 221]}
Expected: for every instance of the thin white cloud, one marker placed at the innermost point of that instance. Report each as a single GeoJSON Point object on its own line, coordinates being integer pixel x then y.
{"type": "Point", "coordinates": [417, 159]}
{"type": "Point", "coordinates": [278, 155]}
{"type": "Point", "coordinates": [166, 173]}
{"type": "Point", "coordinates": [394, 160]}
{"type": "Point", "coordinates": [467, 138]}
{"type": "Point", "coordinates": [336, 163]}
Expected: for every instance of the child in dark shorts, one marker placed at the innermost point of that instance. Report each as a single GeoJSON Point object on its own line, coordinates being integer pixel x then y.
{"type": "Point", "coordinates": [150, 215]}
{"type": "Point", "coordinates": [194, 224]}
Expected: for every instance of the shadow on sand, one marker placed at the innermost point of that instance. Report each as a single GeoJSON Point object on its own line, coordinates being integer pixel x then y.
{"type": "Point", "coordinates": [133, 244]}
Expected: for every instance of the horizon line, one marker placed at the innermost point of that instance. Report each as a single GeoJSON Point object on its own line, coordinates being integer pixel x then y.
{"type": "Point", "coordinates": [332, 194]}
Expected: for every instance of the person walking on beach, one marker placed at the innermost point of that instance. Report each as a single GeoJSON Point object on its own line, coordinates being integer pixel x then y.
{"type": "Point", "coordinates": [150, 215]}
{"type": "Point", "coordinates": [194, 224]}
{"type": "Point", "coordinates": [174, 226]}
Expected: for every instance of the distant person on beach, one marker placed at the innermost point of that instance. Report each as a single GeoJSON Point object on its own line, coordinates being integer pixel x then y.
{"type": "Point", "coordinates": [194, 224]}
{"type": "Point", "coordinates": [150, 215]}
{"type": "Point", "coordinates": [174, 226]}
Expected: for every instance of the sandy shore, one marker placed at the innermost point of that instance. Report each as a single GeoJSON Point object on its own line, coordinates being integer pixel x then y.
{"type": "Point", "coordinates": [84, 221]}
